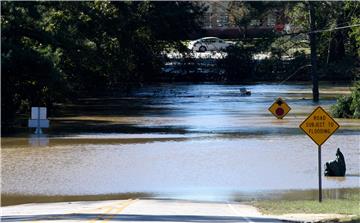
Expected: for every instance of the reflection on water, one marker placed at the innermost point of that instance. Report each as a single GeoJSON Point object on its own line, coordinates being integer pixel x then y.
{"type": "Point", "coordinates": [38, 140]}
{"type": "Point", "coordinates": [181, 141]}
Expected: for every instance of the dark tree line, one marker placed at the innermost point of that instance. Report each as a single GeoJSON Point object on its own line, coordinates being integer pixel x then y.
{"type": "Point", "coordinates": [53, 51]}
{"type": "Point", "coordinates": [56, 51]}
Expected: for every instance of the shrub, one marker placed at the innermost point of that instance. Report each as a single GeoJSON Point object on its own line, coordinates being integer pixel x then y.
{"type": "Point", "coordinates": [342, 107]}
{"type": "Point", "coordinates": [355, 104]}
{"type": "Point", "coordinates": [348, 106]}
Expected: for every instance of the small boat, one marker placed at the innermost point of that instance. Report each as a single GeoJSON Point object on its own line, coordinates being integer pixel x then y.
{"type": "Point", "coordinates": [244, 92]}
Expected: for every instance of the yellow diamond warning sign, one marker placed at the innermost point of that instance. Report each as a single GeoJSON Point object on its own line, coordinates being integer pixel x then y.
{"type": "Point", "coordinates": [279, 108]}
{"type": "Point", "coordinates": [319, 125]}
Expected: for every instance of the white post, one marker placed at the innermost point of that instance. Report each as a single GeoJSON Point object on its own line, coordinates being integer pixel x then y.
{"type": "Point", "coordinates": [38, 129]}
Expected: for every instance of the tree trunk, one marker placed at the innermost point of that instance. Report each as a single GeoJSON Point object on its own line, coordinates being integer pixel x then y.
{"type": "Point", "coordinates": [337, 43]}
{"type": "Point", "coordinates": [314, 75]}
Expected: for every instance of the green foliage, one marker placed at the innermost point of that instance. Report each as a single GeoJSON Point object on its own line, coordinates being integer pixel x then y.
{"type": "Point", "coordinates": [355, 104]}
{"type": "Point", "coordinates": [342, 107]}
{"type": "Point", "coordinates": [348, 106]}
{"type": "Point", "coordinates": [242, 12]}
{"type": "Point", "coordinates": [291, 45]}
{"type": "Point", "coordinates": [349, 205]}
{"type": "Point", "coordinates": [57, 50]}
{"type": "Point", "coordinates": [353, 9]}
{"type": "Point", "coordinates": [337, 49]}
{"type": "Point", "coordinates": [343, 69]}
{"type": "Point", "coordinates": [29, 76]}
{"type": "Point", "coordinates": [237, 65]}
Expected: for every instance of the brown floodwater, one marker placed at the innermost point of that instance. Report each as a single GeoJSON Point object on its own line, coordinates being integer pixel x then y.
{"type": "Point", "coordinates": [199, 141]}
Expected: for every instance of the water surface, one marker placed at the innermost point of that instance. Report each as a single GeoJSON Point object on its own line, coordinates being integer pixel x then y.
{"type": "Point", "coordinates": [185, 141]}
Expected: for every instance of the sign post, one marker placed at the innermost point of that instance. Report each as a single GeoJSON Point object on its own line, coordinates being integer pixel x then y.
{"type": "Point", "coordinates": [319, 164]}
{"type": "Point", "coordinates": [279, 108]}
{"type": "Point", "coordinates": [319, 126]}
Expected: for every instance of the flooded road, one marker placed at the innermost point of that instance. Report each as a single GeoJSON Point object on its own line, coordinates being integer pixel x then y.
{"type": "Point", "coordinates": [179, 141]}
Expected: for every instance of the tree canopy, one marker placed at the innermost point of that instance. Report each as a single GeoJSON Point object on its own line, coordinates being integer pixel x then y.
{"type": "Point", "coordinates": [55, 51]}
{"type": "Point", "coordinates": [62, 49]}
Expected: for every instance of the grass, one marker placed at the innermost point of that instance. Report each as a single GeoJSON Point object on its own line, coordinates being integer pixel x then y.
{"type": "Point", "coordinates": [348, 205]}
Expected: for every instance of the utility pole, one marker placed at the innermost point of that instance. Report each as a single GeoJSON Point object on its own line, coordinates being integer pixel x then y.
{"type": "Point", "coordinates": [312, 35]}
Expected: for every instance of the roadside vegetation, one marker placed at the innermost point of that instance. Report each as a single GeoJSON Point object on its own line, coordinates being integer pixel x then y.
{"type": "Point", "coordinates": [348, 205]}
{"type": "Point", "coordinates": [348, 106]}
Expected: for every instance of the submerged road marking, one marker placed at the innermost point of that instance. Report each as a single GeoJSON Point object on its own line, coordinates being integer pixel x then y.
{"type": "Point", "coordinates": [120, 209]}
{"type": "Point", "coordinates": [238, 214]}
{"type": "Point", "coordinates": [102, 218]}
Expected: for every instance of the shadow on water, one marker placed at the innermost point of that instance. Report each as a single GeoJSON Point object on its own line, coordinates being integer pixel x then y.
{"type": "Point", "coordinates": [66, 127]}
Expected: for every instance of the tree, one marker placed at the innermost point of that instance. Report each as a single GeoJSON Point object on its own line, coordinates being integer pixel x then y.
{"type": "Point", "coordinates": [53, 51]}
{"type": "Point", "coordinates": [314, 74]}
{"type": "Point", "coordinates": [242, 12]}
{"type": "Point", "coordinates": [29, 76]}
{"type": "Point", "coordinates": [335, 46]}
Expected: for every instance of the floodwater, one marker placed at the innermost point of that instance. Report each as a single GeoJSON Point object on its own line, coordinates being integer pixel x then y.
{"type": "Point", "coordinates": [195, 141]}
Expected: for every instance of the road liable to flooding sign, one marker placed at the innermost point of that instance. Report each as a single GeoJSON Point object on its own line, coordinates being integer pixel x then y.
{"type": "Point", "coordinates": [319, 126]}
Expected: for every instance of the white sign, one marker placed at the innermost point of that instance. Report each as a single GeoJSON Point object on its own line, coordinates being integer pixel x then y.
{"type": "Point", "coordinates": [38, 112]}
{"type": "Point", "coordinates": [35, 123]}
{"type": "Point", "coordinates": [38, 119]}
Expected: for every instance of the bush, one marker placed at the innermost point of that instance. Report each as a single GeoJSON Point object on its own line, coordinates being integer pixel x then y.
{"type": "Point", "coordinates": [355, 104]}
{"type": "Point", "coordinates": [348, 106]}
{"type": "Point", "coordinates": [342, 107]}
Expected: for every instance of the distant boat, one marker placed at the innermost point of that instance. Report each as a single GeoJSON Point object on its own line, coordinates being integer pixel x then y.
{"type": "Point", "coordinates": [244, 92]}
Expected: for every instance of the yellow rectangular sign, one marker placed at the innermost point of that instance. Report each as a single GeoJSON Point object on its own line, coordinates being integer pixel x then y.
{"type": "Point", "coordinates": [319, 125]}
